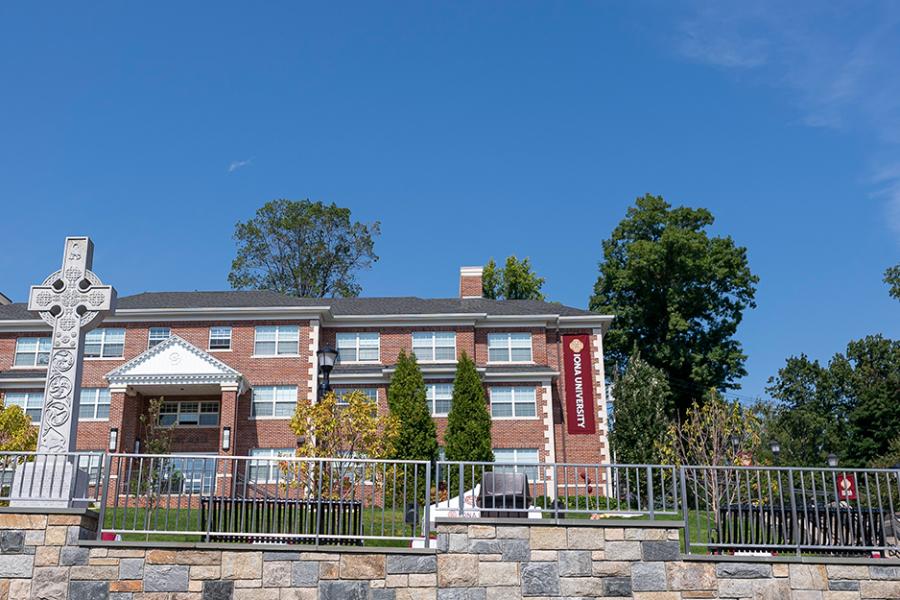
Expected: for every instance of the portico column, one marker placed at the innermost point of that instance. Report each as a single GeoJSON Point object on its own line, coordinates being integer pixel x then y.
{"type": "Point", "coordinates": [117, 417]}
{"type": "Point", "coordinates": [227, 419]}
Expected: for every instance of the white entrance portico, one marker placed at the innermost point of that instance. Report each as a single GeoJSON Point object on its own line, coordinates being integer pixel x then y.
{"type": "Point", "coordinates": [200, 391]}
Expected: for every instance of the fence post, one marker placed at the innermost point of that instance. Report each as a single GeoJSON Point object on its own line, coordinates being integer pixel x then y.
{"type": "Point", "coordinates": [684, 506]}
{"type": "Point", "coordinates": [650, 492]}
{"type": "Point", "coordinates": [795, 525]}
{"type": "Point", "coordinates": [461, 495]}
{"type": "Point", "coordinates": [212, 498]}
{"type": "Point", "coordinates": [101, 518]}
{"type": "Point", "coordinates": [426, 523]}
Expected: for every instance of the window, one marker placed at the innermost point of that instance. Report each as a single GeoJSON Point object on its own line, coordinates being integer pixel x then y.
{"type": "Point", "coordinates": [204, 414]}
{"type": "Point", "coordinates": [274, 401]}
{"type": "Point", "coordinates": [434, 346]}
{"type": "Point", "coordinates": [358, 347]}
{"type": "Point", "coordinates": [31, 402]}
{"type": "Point", "coordinates": [439, 397]}
{"type": "Point", "coordinates": [509, 347]}
{"type": "Point", "coordinates": [188, 475]}
{"type": "Point", "coordinates": [277, 340]}
{"type": "Point", "coordinates": [267, 471]}
{"type": "Point", "coordinates": [508, 402]}
{"type": "Point", "coordinates": [158, 335]}
{"type": "Point", "coordinates": [104, 343]}
{"type": "Point", "coordinates": [32, 352]}
{"type": "Point", "coordinates": [342, 393]}
{"type": "Point", "coordinates": [220, 338]}
{"type": "Point", "coordinates": [90, 464]}
{"type": "Point", "coordinates": [512, 457]}
{"type": "Point", "coordinates": [94, 404]}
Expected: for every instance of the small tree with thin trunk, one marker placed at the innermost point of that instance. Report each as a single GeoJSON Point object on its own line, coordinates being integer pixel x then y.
{"type": "Point", "coordinates": [468, 435]}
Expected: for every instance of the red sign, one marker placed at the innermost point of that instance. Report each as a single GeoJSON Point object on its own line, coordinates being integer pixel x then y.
{"type": "Point", "coordinates": [579, 374]}
{"type": "Point", "coordinates": [846, 486]}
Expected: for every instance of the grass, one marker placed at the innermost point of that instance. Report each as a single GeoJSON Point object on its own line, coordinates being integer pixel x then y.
{"type": "Point", "coordinates": [175, 524]}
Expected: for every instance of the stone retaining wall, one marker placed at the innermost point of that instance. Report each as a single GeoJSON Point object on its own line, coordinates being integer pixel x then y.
{"type": "Point", "coordinates": [55, 557]}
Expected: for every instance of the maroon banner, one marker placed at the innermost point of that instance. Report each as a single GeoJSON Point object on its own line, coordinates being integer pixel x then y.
{"type": "Point", "coordinates": [579, 375]}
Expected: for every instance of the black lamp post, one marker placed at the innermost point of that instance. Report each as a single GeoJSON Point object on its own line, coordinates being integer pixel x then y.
{"type": "Point", "coordinates": [832, 460]}
{"type": "Point", "coordinates": [327, 357]}
{"type": "Point", "coordinates": [776, 449]}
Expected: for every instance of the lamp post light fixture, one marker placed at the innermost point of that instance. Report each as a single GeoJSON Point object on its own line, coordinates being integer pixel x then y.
{"type": "Point", "coordinates": [113, 439]}
{"type": "Point", "coordinates": [735, 442]}
{"type": "Point", "coordinates": [226, 439]}
{"type": "Point", "coordinates": [137, 445]}
{"type": "Point", "coordinates": [832, 460]}
{"type": "Point", "coordinates": [327, 357]}
{"type": "Point", "coordinates": [776, 448]}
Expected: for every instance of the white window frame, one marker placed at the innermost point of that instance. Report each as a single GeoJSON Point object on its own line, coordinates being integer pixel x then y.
{"type": "Point", "coordinates": [103, 332]}
{"type": "Point", "coordinates": [31, 400]}
{"type": "Point", "coordinates": [428, 340]}
{"type": "Point", "coordinates": [202, 483]}
{"type": "Point", "coordinates": [504, 341]}
{"type": "Point", "coordinates": [271, 466]}
{"type": "Point", "coordinates": [222, 337]}
{"type": "Point", "coordinates": [355, 338]}
{"type": "Point", "coordinates": [283, 335]}
{"type": "Point", "coordinates": [42, 342]}
{"type": "Point", "coordinates": [287, 390]}
{"type": "Point", "coordinates": [91, 463]}
{"type": "Point", "coordinates": [342, 392]}
{"type": "Point", "coordinates": [94, 397]}
{"type": "Point", "coordinates": [529, 467]}
{"type": "Point", "coordinates": [431, 397]}
{"type": "Point", "coordinates": [158, 339]}
{"type": "Point", "coordinates": [515, 391]}
{"type": "Point", "coordinates": [200, 405]}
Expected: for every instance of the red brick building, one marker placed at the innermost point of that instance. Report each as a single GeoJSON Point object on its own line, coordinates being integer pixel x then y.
{"type": "Point", "coordinates": [231, 366]}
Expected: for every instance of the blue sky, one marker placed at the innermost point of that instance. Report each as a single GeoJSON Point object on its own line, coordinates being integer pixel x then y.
{"type": "Point", "coordinates": [470, 130]}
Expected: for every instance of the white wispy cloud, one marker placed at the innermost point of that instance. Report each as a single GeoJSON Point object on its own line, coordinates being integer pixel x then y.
{"type": "Point", "coordinates": [238, 164]}
{"type": "Point", "coordinates": [839, 61]}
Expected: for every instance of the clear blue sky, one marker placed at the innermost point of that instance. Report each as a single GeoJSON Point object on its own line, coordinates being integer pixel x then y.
{"type": "Point", "coordinates": [470, 130]}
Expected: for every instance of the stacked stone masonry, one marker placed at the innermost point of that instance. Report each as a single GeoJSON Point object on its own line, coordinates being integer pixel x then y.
{"type": "Point", "coordinates": [54, 557]}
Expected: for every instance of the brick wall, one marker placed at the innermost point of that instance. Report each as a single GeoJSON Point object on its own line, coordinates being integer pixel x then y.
{"type": "Point", "coordinates": [251, 433]}
{"type": "Point", "coordinates": [54, 557]}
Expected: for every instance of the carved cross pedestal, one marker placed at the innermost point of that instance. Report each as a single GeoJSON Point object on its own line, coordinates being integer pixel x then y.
{"type": "Point", "coordinates": [72, 301]}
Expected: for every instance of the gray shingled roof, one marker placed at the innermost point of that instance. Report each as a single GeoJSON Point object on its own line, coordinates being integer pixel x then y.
{"type": "Point", "coordinates": [340, 306]}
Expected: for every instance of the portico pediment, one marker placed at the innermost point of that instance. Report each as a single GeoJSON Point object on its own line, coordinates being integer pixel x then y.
{"type": "Point", "coordinates": [175, 362]}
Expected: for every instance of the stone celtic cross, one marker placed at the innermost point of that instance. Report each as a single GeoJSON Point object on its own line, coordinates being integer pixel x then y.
{"type": "Point", "coordinates": [72, 301]}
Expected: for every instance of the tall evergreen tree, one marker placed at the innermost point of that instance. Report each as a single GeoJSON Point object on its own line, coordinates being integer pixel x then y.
{"type": "Point", "coordinates": [641, 394]}
{"type": "Point", "coordinates": [417, 437]}
{"type": "Point", "coordinates": [468, 435]}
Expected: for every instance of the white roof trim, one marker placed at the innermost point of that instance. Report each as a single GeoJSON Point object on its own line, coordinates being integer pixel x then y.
{"type": "Point", "coordinates": [209, 369]}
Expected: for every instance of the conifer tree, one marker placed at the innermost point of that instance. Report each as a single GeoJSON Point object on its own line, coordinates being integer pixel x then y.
{"type": "Point", "coordinates": [468, 435]}
{"type": "Point", "coordinates": [641, 394]}
{"type": "Point", "coordinates": [417, 438]}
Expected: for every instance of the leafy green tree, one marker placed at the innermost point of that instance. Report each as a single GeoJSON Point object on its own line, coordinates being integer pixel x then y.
{"type": "Point", "coordinates": [639, 411]}
{"type": "Point", "coordinates": [417, 436]}
{"type": "Point", "coordinates": [17, 434]}
{"type": "Point", "coordinates": [851, 407]}
{"type": "Point", "coordinates": [468, 433]}
{"type": "Point", "coordinates": [678, 295]}
{"type": "Point", "coordinates": [810, 420]}
{"type": "Point", "coordinates": [892, 278]}
{"type": "Point", "coordinates": [515, 281]}
{"type": "Point", "coordinates": [302, 248]}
